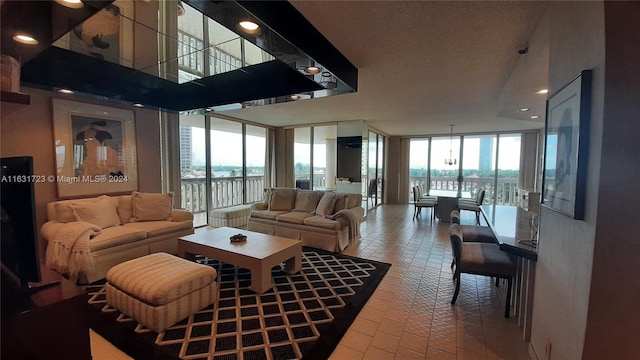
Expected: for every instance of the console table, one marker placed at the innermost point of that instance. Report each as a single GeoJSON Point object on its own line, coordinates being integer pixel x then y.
{"type": "Point", "coordinates": [49, 324]}
{"type": "Point", "coordinates": [511, 227]}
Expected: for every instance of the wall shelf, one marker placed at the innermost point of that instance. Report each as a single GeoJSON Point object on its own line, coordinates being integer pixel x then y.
{"type": "Point", "coordinates": [17, 98]}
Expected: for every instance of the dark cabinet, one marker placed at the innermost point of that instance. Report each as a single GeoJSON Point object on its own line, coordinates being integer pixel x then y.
{"type": "Point", "coordinates": [49, 324]}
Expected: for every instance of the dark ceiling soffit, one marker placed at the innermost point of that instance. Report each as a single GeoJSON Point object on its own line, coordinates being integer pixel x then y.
{"type": "Point", "coordinates": [283, 21]}
{"type": "Point", "coordinates": [260, 81]}
{"type": "Point", "coordinates": [61, 68]}
{"type": "Point", "coordinates": [47, 21]}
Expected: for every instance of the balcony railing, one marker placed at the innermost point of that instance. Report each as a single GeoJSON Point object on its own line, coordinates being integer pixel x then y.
{"type": "Point", "coordinates": [505, 194]}
{"type": "Point", "coordinates": [226, 191]}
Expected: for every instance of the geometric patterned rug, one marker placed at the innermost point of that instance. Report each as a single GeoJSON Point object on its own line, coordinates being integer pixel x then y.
{"type": "Point", "coordinates": [303, 316]}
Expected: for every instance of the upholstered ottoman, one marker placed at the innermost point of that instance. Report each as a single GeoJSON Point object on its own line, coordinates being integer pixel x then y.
{"type": "Point", "coordinates": [233, 216]}
{"type": "Point", "coordinates": [160, 289]}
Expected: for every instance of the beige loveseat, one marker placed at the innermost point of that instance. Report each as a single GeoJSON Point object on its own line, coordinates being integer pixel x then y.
{"type": "Point", "coordinates": [323, 220]}
{"type": "Point", "coordinates": [86, 237]}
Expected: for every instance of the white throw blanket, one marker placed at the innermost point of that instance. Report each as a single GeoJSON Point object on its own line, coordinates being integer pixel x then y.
{"type": "Point", "coordinates": [352, 222]}
{"type": "Point", "coordinates": [68, 249]}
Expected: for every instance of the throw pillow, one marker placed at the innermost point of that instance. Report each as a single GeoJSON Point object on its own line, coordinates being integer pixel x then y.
{"type": "Point", "coordinates": [306, 201]}
{"type": "Point", "coordinates": [282, 199]}
{"type": "Point", "coordinates": [64, 212]}
{"type": "Point", "coordinates": [151, 207]}
{"type": "Point", "coordinates": [100, 212]}
{"type": "Point", "coordinates": [341, 202]}
{"type": "Point", "coordinates": [326, 204]}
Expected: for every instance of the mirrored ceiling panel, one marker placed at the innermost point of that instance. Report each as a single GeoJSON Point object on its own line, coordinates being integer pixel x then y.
{"type": "Point", "coordinates": [184, 55]}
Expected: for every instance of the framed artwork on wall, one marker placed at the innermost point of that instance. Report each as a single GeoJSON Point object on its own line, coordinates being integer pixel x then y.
{"type": "Point", "coordinates": [95, 149]}
{"type": "Point", "coordinates": [566, 141]}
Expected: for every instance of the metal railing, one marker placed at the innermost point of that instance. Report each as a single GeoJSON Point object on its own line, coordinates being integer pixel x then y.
{"type": "Point", "coordinates": [504, 194]}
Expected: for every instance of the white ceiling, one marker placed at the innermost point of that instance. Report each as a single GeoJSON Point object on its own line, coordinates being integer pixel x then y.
{"type": "Point", "coordinates": [426, 64]}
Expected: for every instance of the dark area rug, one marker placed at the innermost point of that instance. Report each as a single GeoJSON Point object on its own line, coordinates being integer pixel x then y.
{"type": "Point", "coordinates": [304, 316]}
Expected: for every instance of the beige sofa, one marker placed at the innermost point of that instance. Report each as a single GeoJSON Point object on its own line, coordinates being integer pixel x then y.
{"type": "Point", "coordinates": [323, 220]}
{"type": "Point", "coordinates": [86, 237]}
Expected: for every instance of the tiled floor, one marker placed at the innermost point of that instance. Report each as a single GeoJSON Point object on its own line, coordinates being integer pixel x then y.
{"type": "Point", "coordinates": [410, 316]}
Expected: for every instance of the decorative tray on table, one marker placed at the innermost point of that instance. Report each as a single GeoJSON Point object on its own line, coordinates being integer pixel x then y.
{"type": "Point", "coordinates": [238, 238]}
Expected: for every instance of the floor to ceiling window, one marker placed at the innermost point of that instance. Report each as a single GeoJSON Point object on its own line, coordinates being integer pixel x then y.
{"type": "Point", "coordinates": [374, 180]}
{"type": "Point", "coordinates": [490, 162]}
{"type": "Point", "coordinates": [314, 157]}
{"type": "Point", "coordinates": [237, 159]}
{"type": "Point", "coordinates": [227, 170]}
{"type": "Point", "coordinates": [443, 163]}
{"type": "Point", "coordinates": [478, 165]}
{"type": "Point", "coordinates": [302, 157]}
{"type": "Point", "coordinates": [193, 167]}
{"type": "Point", "coordinates": [508, 168]}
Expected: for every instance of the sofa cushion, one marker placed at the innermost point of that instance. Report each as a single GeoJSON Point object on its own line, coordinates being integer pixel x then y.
{"type": "Point", "coordinates": [322, 222]}
{"type": "Point", "coordinates": [326, 204]}
{"type": "Point", "coordinates": [307, 200]}
{"type": "Point", "coordinates": [151, 207]}
{"type": "Point", "coordinates": [353, 200]}
{"type": "Point", "coordinates": [266, 214]}
{"type": "Point", "coordinates": [114, 236]}
{"type": "Point", "coordinates": [156, 228]}
{"type": "Point", "coordinates": [282, 199]}
{"type": "Point", "coordinates": [99, 212]}
{"type": "Point", "coordinates": [64, 212]}
{"type": "Point", "coordinates": [294, 217]}
{"type": "Point", "coordinates": [125, 208]}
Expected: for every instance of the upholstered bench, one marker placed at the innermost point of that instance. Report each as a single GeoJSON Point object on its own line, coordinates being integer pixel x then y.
{"type": "Point", "coordinates": [160, 289]}
{"type": "Point", "coordinates": [233, 216]}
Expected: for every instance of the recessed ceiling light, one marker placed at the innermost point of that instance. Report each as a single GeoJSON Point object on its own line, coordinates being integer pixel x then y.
{"type": "Point", "coordinates": [534, 116]}
{"type": "Point", "coordinates": [543, 91]}
{"type": "Point", "coordinates": [25, 39]}
{"type": "Point", "coordinates": [138, 105]}
{"type": "Point", "coordinates": [73, 4]}
{"type": "Point", "coordinates": [249, 27]}
{"type": "Point", "coordinates": [295, 97]}
{"type": "Point", "coordinates": [65, 91]}
{"type": "Point", "coordinates": [523, 109]}
{"type": "Point", "coordinates": [312, 70]}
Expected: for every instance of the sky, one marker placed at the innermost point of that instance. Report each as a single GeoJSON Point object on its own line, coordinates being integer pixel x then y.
{"type": "Point", "coordinates": [227, 148]}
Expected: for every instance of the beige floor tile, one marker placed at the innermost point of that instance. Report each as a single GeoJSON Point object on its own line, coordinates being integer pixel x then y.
{"type": "Point", "coordinates": [374, 353]}
{"type": "Point", "coordinates": [414, 342]}
{"type": "Point", "coordinates": [356, 340]}
{"type": "Point", "coordinates": [391, 327]}
{"type": "Point", "coordinates": [385, 341]}
{"type": "Point", "coordinates": [437, 354]}
{"type": "Point", "coordinates": [365, 326]}
{"type": "Point", "coordinates": [407, 354]}
{"type": "Point", "coordinates": [346, 353]}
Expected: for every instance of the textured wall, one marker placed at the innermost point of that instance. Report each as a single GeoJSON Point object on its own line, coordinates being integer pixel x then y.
{"type": "Point", "coordinates": [565, 255]}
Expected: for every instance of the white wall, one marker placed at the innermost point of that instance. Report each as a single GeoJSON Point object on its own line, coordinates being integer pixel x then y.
{"type": "Point", "coordinates": [565, 255]}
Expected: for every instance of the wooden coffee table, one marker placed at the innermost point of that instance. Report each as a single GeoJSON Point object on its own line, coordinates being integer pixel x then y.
{"type": "Point", "coordinates": [259, 253]}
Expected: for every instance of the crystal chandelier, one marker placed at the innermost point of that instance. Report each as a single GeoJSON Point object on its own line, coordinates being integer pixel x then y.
{"type": "Point", "coordinates": [450, 160]}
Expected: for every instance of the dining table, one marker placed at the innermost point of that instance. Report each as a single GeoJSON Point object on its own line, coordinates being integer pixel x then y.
{"type": "Point", "coordinates": [447, 201]}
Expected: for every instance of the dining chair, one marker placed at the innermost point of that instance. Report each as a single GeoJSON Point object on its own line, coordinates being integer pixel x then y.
{"type": "Point", "coordinates": [423, 202]}
{"type": "Point", "coordinates": [472, 233]}
{"type": "Point", "coordinates": [480, 259]}
{"type": "Point", "coordinates": [472, 204]}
